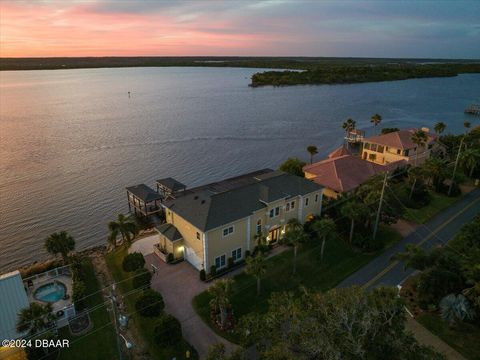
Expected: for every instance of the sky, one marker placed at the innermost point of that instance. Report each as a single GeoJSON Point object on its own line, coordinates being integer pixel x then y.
{"type": "Point", "coordinates": [390, 28]}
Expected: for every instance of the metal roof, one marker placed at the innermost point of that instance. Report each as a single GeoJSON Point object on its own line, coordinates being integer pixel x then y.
{"type": "Point", "coordinates": [144, 193]}
{"type": "Point", "coordinates": [13, 298]}
{"type": "Point", "coordinates": [171, 184]}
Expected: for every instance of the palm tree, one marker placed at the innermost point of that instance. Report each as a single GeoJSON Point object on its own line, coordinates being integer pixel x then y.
{"type": "Point", "coordinates": [294, 236]}
{"type": "Point", "coordinates": [456, 308]}
{"type": "Point", "coordinates": [439, 127]}
{"type": "Point", "coordinates": [324, 228]}
{"type": "Point", "coordinates": [256, 266]}
{"type": "Point", "coordinates": [376, 119]}
{"type": "Point", "coordinates": [419, 138]}
{"type": "Point", "coordinates": [312, 149]}
{"type": "Point", "coordinates": [124, 226]}
{"type": "Point", "coordinates": [348, 126]}
{"type": "Point", "coordinates": [415, 173]}
{"type": "Point", "coordinates": [435, 168]}
{"type": "Point", "coordinates": [35, 318]}
{"type": "Point", "coordinates": [60, 243]}
{"type": "Point", "coordinates": [470, 158]}
{"type": "Point", "coordinates": [221, 291]}
{"type": "Point", "coordinates": [354, 211]}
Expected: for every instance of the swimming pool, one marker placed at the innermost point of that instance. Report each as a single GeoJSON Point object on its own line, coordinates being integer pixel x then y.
{"type": "Point", "coordinates": [51, 292]}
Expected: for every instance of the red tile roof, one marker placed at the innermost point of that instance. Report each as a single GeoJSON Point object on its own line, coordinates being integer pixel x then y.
{"type": "Point", "coordinates": [346, 172]}
{"type": "Point", "coordinates": [399, 139]}
{"type": "Point", "coordinates": [342, 150]}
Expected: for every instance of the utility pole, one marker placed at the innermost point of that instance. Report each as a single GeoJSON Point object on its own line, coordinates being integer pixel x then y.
{"type": "Point", "coordinates": [455, 167]}
{"type": "Point", "coordinates": [114, 310]}
{"type": "Point", "coordinates": [380, 206]}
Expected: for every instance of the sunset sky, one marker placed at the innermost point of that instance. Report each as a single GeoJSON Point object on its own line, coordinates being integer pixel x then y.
{"type": "Point", "coordinates": [434, 29]}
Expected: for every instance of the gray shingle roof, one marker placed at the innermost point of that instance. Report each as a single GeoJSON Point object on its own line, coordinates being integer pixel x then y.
{"type": "Point", "coordinates": [207, 210]}
{"type": "Point", "coordinates": [144, 193]}
{"type": "Point", "coordinates": [169, 231]}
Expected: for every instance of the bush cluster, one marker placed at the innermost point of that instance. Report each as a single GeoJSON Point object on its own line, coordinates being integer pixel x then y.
{"type": "Point", "coordinates": [150, 304]}
{"type": "Point", "coordinates": [133, 261]}
{"type": "Point", "coordinates": [168, 331]}
{"type": "Point", "coordinates": [142, 278]}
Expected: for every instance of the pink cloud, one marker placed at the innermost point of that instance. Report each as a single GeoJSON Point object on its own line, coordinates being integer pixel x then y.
{"type": "Point", "coordinates": [43, 29]}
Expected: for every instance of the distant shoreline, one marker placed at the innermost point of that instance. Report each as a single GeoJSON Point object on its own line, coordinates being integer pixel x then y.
{"type": "Point", "coordinates": [316, 71]}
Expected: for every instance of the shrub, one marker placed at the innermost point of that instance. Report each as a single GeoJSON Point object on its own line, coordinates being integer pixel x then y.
{"type": "Point", "coordinates": [78, 293]}
{"type": "Point", "coordinates": [247, 253]}
{"type": "Point", "coordinates": [213, 270]}
{"type": "Point", "coordinates": [168, 331]}
{"type": "Point", "coordinates": [150, 304]}
{"type": "Point", "coordinates": [203, 275]}
{"type": "Point", "coordinates": [133, 261]}
{"type": "Point", "coordinates": [230, 262]}
{"type": "Point", "coordinates": [170, 258]}
{"type": "Point", "coordinates": [142, 278]}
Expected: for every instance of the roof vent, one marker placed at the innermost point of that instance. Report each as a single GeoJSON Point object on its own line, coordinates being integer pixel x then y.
{"type": "Point", "coordinates": [203, 202]}
{"type": "Point", "coordinates": [195, 197]}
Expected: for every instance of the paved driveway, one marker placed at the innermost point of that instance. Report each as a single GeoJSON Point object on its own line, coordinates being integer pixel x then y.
{"type": "Point", "coordinates": [178, 285]}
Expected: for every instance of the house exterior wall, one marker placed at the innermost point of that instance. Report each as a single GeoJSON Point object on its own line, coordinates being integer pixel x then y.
{"type": "Point", "coordinates": [391, 154]}
{"type": "Point", "coordinates": [224, 245]}
{"type": "Point", "coordinates": [189, 234]}
{"type": "Point", "coordinates": [213, 243]}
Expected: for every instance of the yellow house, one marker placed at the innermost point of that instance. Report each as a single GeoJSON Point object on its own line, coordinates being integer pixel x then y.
{"type": "Point", "coordinates": [211, 223]}
{"type": "Point", "coordinates": [396, 146]}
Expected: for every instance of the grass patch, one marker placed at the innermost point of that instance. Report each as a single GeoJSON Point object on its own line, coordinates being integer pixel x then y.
{"type": "Point", "coordinates": [340, 260]}
{"type": "Point", "coordinates": [93, 345]}
{"type": "Point", "coordinates": [144, 325]}
{"type": "Point", "coordinates": [464, 338]}
{"type": "Point", "coordinates": [438, 203]}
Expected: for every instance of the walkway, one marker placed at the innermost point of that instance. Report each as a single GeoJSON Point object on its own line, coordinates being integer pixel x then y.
{"type": "Point", "coordinates": [425, 337]}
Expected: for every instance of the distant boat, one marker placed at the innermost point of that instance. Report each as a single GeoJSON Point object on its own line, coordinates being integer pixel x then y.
{"type": "Point", "coordinates": [473, 109]}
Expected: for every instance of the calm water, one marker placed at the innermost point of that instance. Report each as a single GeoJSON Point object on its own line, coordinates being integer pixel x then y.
{"type": "Point", "coordinates": [71, 140]}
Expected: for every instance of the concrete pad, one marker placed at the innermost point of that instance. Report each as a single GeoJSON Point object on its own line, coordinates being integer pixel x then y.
{"type": "Point", "coordinates": [144, 245]}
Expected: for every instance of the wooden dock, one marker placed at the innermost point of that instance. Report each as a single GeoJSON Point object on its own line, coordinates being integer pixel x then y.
{"type": "Point", "coordinates": [473, 110]}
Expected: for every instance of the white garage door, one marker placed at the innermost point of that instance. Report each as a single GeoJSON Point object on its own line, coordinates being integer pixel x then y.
{"type": "Point", "coordinates": [193, 258]}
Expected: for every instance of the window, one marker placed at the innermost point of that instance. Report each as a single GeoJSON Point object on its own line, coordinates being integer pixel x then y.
{"type": "Point", "coordinates": [198, 235]}
{"type": "Point", "coordinates": [237, 254]}
{"type": "Point", "coordinates": [306, 201]}
{"type": "Point", "coordinates": [366, 146]}
{"type": "Point", "coordinates": [228, 231]}
{"type": "Point", "coordinates": [316, 198]}
{"type": "Point", "coordinates": [220, 261]}
{"type": "Point", "coordinates": [259, 226]}
{"type": "Point", "coordinates": [399, 152]}
{"type": "Point", "coordinates": [406, 152]}
{"type": "Point", "coordinates": [292, 205]}
{"type": "Point", "coordinates": [275, 212]}
{"type": "Point", "coordinates": [380, 149]}
{"type": "Point", "coordinates": [287, 207]}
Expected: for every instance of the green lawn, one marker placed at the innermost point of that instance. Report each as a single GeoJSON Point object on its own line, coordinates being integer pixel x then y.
{"type": "Point", "coordinates": [438, 203]}
{"type": "Point", "coordinates": [465, 338]}
{"type": "Point", "coordinates": [144, 325]}
{"type": "Point", "coordinates": [339, 262]}
{"type": "Point", "coordinates": [93, 345]}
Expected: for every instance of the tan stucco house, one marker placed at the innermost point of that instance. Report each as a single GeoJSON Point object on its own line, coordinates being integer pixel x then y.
{"type": "Point", "coordinates": [396, 146]}
{"type": "Point", "coordinates": [211, 223]}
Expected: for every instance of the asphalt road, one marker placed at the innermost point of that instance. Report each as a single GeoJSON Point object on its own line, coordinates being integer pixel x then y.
{"type": "Point", "coordinates": [439, 230]}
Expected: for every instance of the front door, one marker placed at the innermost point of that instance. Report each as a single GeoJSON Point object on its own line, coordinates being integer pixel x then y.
{"type": "Point", "coordinates": [274, 235]}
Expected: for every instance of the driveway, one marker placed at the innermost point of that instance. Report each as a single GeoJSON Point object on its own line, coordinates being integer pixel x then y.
{"type": "Point", "coordinates": [179, 284]}
{"type": "Point", "coordinates": [144, 245]}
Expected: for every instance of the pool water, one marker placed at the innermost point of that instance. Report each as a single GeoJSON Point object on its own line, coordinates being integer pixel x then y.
{"type": "Point", "coordinates": [51, 292]}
